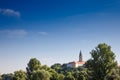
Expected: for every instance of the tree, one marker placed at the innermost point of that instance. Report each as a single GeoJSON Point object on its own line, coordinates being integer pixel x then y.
{"type": "Point", "coordinates": [7, 76]}
{"type": "Point", "coordinates": [81, 74]}
{"type": "Point", "coordinates": [115, 74]}
{"type": "Point", "coordinates": [69, 77]}
{"type": "Point", "coordinates": [53, 74]}
{"type": "Point", "coordinates": [0, 77]}
{"type": "Point", "coordinates": [33, 65]}
{"type": "Point", "coordinates": [102, 62]}
{"type": "Point", "coordinates": [45, 67]}
{"type": "Point", "coordinates": [40, 75]}
{"type": "Point", "coordinates": [57, 76]}
{"type": "Point", "coordinates": [57, 67]}
{"type": "Point", "coordinates": [20, 75]}
{"type": "Point", "coordinates": [61, 77]}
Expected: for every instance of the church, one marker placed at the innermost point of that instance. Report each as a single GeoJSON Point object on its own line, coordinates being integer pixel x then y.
{"type": "Point", "coordinates": [77, 63]}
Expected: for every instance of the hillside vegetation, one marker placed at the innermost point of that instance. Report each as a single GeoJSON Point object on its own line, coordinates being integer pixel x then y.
{"type": "Point", "coordinates": [101, 66]}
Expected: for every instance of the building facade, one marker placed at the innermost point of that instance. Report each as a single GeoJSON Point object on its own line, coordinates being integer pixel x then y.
{"type": "Point", "coordinates": [77, 63]}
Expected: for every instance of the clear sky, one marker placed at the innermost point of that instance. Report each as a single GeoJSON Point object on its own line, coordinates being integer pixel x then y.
{"type": "Point", "coordinates": [54, 31]}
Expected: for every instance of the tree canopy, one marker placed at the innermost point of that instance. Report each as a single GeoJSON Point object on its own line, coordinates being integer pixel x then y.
{"type": "Point", "coordinates": [20, 75]}
{"type": "Point", "coordinates": [102, 62]}
{"type": "Point", "coordinates": [101, 66]}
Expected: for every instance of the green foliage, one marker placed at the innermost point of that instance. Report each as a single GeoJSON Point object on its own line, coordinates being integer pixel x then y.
{"type": "Point", "coordinates": [102, 62]}
{"type": "Point", "coordinates": [33, 65]}
{"type": "Point", "coordinates": [61, 77]}
{"type": "Point", "coordinates": [53, 74]}
{"type": "Point", "coordinates": [56, 76]}
{"type": "Point", "coordinates": [20, 75]}
{"type": "Point", "coordinates": [46, 68]}
{"type": "Point", "coordinates": [40, 75]}
{"type": "Point", "coordinates": [115, 74]}
{"type": "Point", "coordinates": [81, 75]}
{"type": "Point", "coordinates": [69, 77]}
{"type": "Point", "coordinates": [57, 67]}
{"type": "Point", "coordinates": [102, 66]}
{"type": "Point", "coordinates": [7, 76]}
{"type": "Point", "coordinates": [0, 77]}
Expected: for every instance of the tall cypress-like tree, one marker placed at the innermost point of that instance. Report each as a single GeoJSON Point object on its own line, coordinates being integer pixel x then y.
{"type": "Point", "coordinates": [102, 62]}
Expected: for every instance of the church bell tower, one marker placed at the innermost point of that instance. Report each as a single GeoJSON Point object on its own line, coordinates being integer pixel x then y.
{"type": "Point", "coordinates": [80, 57]}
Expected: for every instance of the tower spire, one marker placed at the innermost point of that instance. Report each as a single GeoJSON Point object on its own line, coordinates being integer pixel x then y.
{"type": "Point", "coordinates": [80, 57]}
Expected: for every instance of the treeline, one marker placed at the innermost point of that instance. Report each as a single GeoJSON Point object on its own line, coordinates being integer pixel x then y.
{"type": "Point", "coordinates": [101, 66]}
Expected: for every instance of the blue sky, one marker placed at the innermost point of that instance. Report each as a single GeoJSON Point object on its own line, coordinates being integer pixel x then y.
{"type": "Point", "coordinates": [54, 31]}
